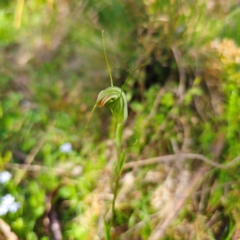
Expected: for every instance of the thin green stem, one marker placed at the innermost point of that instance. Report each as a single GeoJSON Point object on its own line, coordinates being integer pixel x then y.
{"type": "Point", "coordinates": [105, 54]}
{"type": "Point", "coordinates": [91, 115]}
{"type": "Point", "coordinates": [114, 199]}
{"type": "Point", "coordinates": [119, 130]}
{"type": "Point", "coordinates": [136, 68]}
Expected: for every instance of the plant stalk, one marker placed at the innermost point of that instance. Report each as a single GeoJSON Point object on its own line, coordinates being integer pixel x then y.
{"type": "Point", "coordinates": [118, 170]}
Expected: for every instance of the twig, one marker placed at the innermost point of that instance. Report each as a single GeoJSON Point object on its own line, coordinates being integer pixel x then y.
{"type": "Point", "coordinates": [186, 135]}
{"type": "Point", "coordinates": [182, 73]}
{"type": "Point", "coordinates": [36, 168]}
{"type": "Point", "coordinates": [161, 227]}
{"type": "Point", "coordinates": [192, 156]}
{"type": "Point", "coordinates": [55, 225]}
{"type": "Point", "coordinates": [143, 222]}
{"type": "Point", "coordinates": [6, 232]}
{"type": "Point", "coordinates": [30, 158]}
{"type": "Point", "coordinates": [208, 189]}
{"type": "Point", "coordinates": [155, 105]}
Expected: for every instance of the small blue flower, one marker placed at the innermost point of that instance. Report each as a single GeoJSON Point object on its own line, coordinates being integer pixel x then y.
{"type": "Point", "coordinates": [66, 147]}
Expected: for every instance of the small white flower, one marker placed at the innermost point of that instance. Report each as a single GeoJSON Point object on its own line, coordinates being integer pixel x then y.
{"type": "Point", "coordinates": [14, 207]}
{"type": "Point", "coordinates": [66, 147]}
{"type": "Point", "coordinates": [7, 200]}
{"type": "Point", "coordinates": [5, 176]}
{"type": "Point", "coordinates": [3, 210]}
{"type": "Point", "coordinates": [8, 204]}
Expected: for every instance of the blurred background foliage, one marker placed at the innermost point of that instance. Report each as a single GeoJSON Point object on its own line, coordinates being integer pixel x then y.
{"type": "Point", "coordinates": [185, 99]}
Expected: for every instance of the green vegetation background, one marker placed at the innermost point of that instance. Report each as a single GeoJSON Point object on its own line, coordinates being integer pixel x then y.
{"type": "Point", "coordinates": [186, 99]}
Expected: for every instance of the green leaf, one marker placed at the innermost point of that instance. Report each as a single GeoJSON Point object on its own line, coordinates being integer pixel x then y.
{"type": "Point", "coordinates": [119, 165]}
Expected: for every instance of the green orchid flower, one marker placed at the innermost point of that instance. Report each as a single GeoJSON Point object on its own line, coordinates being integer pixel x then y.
{"type": "Point", "coordinates": [116, 100]}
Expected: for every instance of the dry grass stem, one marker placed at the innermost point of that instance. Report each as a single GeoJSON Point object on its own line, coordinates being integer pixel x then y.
{"type": "Point", "coordinates": [176, 157]}
{"type": "Point", "coordinates": [162, 226]}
